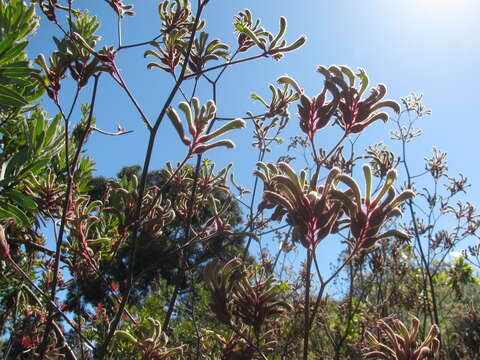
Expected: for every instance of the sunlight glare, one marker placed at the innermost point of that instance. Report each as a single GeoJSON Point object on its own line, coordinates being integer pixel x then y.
{"type": "Point", "coordinates": [443, 3]}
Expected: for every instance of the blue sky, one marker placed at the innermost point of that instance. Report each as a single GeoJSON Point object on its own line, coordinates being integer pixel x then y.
{"type": "Point", "coordinates": [423, 46]}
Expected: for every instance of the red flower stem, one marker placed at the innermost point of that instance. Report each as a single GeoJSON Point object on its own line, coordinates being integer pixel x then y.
{"type": "Point", "coordinates": [184, 252]}
{"type": "Point", "coordinates": [324, 283]}
{"type": "Point", "coordinates": [225, 64]}
{"type": "Point", "coordinates": [306, 326]}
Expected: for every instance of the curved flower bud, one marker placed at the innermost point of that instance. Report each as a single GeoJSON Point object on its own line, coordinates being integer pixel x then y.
{"type": "Point", "coordinates": [366, 216]}
{"type": "Point", "coordinates": [311, 211]}
{"type": "Point", "coordinates": [316, 113]}
{"type": "Point", "coordinates": [200, 119]}
{"type": "Point", "coordinates": [401, 343]}
{"type": "Point", "coordinates": [250, 34]}
{"type": "Point", "coordinates": [354, 112]}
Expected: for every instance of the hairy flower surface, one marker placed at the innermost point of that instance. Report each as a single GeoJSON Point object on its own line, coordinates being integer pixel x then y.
{"type": "Point", "coordinates": [310, 210]}
{"type": "Point", "coordinates": [355, 113]}
{"type": "Point", "coordinates": [367, 215]}
{"type": "Point", "coordinates": [401, 344]}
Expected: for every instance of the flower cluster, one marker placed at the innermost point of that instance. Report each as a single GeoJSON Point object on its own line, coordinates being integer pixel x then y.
{"type": "Point", "coordinates": [401, 344]}
{"type": "Point", "coordinates": [200, 120]}
{"type": "Point", "coordinates": [315, 212]}
{"type": "Point", "coordinates": [343, 100]}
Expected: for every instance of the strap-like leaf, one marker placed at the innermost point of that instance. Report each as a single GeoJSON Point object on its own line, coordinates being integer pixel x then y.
{"type": "Point", "coordinates": [9, 97]}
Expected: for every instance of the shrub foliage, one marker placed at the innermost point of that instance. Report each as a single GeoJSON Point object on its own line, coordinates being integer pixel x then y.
{"type": "Point", "coordinates": [161, 264]}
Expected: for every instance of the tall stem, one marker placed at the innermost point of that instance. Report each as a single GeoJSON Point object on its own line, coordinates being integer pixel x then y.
{"type": "Point", "coordinates": [306, 326]}
{"type": "Point", "coordinates": [184, 252]}
{"type": "Point", "coordinates": [102, 347]}
{"type": "Point", "coordinates": [423, 257]}
{"type": "Point", "coordinates": [66, 204]}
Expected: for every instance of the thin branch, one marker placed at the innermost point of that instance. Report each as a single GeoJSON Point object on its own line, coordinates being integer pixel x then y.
{"type": "Point", "coordinates": [273, 230]}
{"type": "Point", "coordinates": [417, 236]}
{"type": "Point", "coordinates": [68, 350]}
{"type": "Point", "coordinates": [51, 303]}
{"type": "Point", "coordinates": [324, 283]}
{"type": "Point", "coordinates": [306, 328]}
{"type": "Point", "coordinates": [119, 32]}
{"type": "Point", "coordinates": [40, 248]}
{"type": "Point", "coordinates": [118, 133]}
{"type": "Point", "coordinates": [243, 117]}
{"type": "Point", "coordinates": [248, 342]}
{"type": "Point", "coordinates": [261, 155]}
{"type": "Point", "coordinates": [165, 184]}
{"type": "Point", "coordinates": [140, 43]}
{"type": "Point", "coordinates": [67, 122]}
{"type": "Point", "coordinates": [66, 205]}
{"type": "Point", "coordinates": [184, 253]}
{"type": "Point", "coordinates": [201, 72]}
{"type": "Point", "coordinates": [134, 101]}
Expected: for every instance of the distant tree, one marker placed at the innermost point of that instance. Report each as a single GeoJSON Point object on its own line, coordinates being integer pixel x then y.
{"type": "Point", "coordinates": [155, 265]}
{"type": "Point", "coordinates": [157, 258]}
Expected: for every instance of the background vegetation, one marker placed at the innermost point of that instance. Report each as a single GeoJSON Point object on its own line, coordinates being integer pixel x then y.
{"type": "Point", "coordinates": [158, 263]}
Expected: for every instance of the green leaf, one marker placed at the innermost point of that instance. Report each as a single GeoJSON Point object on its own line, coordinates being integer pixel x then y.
{"type": "Point", "coordinates": [4, 45]}
{"type": "Point", "coordinates": [8, 210]}
{"type": "Point", "coordinates": [10, 97]}
{"type": "Point", "coordinates": [16, 163]}
{"type": "Point", "coordinates": [6, 214]}
{"type": "Point", "coordinates": [21, 199]}
{"type": "Point", "coordinates": [36, 166]}
{"type": "Point", "coordinates": [13, 52]}
{"type": "Point", "coordinates": [15, 70]}
{"type": "Point", "coordinates": [52, 129]}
